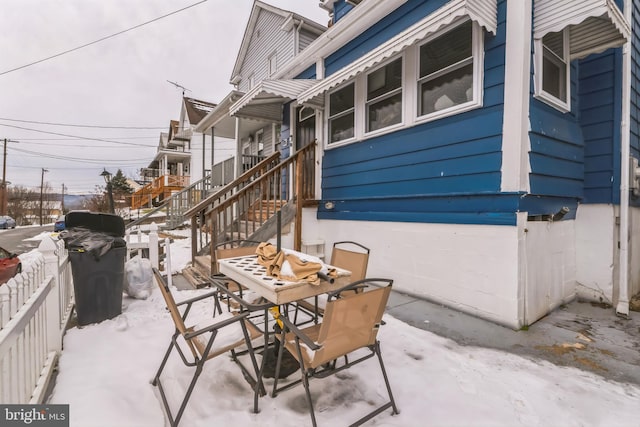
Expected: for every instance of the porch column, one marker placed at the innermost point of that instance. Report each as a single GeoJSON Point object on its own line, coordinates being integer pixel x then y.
{"type": "Point", "coordinates": [204, 149]}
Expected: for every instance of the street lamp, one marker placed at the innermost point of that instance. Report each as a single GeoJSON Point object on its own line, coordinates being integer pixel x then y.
{"type": "Point", "coordinates": [107, 179]}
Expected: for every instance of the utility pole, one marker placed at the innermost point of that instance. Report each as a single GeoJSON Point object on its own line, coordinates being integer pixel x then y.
{"type": "Point", "coordinates": [3, 184]}
{"type": "Point", "coordinates": [62, 208]}
{"type": "Point", "coordinates": [41, 192]}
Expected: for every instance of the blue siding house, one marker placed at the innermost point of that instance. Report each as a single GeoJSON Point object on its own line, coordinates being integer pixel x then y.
{"type": "Point", "coordinates": [483, 149]}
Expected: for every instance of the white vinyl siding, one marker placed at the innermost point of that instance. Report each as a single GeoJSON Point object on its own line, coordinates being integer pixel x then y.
{"type": "Point", "coordinates": [304, 39]}
{"type": "Point", "coordinates": [267, 38]}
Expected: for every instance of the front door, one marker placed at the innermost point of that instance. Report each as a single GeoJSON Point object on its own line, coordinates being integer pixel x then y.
{"type": "Point", "coordinates": [306, 134]}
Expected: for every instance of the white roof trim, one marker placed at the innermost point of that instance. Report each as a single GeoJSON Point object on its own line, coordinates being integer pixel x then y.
{"type": "Point", "coordinates": [595, 25]}
{"type": "Point", "coordinates": [272, 92]}
{"type": "Point", "coordinates": [219, 112]}
{"type": "Point", "coordinates": [482, 11]}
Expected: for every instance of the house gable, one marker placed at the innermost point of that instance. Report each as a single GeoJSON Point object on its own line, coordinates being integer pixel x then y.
{"type": "Point", "coordinates": [272, 38]}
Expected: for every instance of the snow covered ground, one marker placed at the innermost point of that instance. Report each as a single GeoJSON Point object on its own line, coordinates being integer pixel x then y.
{"type": "Point", "coordinates": [105, 372]}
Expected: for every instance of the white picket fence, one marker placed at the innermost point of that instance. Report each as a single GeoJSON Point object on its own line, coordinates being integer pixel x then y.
{"type": "Point", "coordinates": [35, 307]}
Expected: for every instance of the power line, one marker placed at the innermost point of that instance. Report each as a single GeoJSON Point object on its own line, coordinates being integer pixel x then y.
{"type": "Point", "coordinates": [83, 126]}
{"type": "Point", "coordinates": [76, 136]}
{"type": "Point", "coordinates": [55, 156]}
{"type": "Point", "coordinates": [80, 138]}
{"type": "Point", "coordinates": [99, 40]}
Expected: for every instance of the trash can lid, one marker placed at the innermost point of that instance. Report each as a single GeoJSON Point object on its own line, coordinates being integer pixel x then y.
{"type": "Point", "coordinates": [96, 221]}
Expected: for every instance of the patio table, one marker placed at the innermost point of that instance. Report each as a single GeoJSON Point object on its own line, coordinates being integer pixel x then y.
{"type": "Point", "coordinates": [246, 271]}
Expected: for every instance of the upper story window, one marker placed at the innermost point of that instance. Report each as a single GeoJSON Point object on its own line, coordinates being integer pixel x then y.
{"type": "Point", "coordinates": [553, 70]}
{"type": "Point", "coordinates": [384, 96]}
{"type": "Point", "coordinates": [342, 114]}
{"type": "Point", "coordinates": [273, 64]}
{"type": "Point", "coordinates": [252, 81]}
{"type": "Point", "coordinates": [445, 77]}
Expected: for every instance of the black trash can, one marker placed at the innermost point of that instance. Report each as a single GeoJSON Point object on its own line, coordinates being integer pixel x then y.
{"type": "Point", "coordinates": [97, 253]}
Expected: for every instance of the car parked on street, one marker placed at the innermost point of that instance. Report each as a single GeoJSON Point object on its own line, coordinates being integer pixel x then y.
{"type": "Point", "coordinates": [59, 225]}
{"type": "Point", "coordinates": [7, 222]}
{"type": "Point", "coordinates": [10, 265]}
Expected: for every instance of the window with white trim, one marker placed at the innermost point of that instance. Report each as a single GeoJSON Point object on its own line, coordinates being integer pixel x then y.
{"type": "Point", "coordinates": [435, 78]}
{"type": "Point", "coordinates": [342, 114]}
{"type": "Point", "coordinates": [553, 70]}
{"type": "Point", "coordinates": [445, 77]}
{"type": "Point", "coordinates": [384, 96]}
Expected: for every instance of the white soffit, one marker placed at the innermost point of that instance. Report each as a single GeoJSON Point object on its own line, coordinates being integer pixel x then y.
{"type": "Point", "coordinates": [595, 25]}
{"type": "Point", "coordinates": [269, 94]}
{"type": "Point", "coordinates": [484, 12]}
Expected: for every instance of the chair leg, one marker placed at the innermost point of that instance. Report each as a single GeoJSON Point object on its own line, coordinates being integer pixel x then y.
{"type": "Point", "coordinates": [386, 379]}
{"type": "Point", "coordinates": [305, 382]}
{"type": "Point", "coordinates": [189, 391]}
{"type": "Point", "coordinates": [164, 360]}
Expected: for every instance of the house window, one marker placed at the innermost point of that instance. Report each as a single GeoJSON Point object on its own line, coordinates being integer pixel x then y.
{"type": "Point", "coordinates": [552, 71]}
{"type": "Point", "coordinates": [384, 96]}
{"type": "Point", "coordinates": [273, 65]}
{"type": "Point", "coordinates": [446, 65]}
{"type": "Point", "coordinates": [341, 114]}
{"type": "Point", "coordinates": [252, 81]}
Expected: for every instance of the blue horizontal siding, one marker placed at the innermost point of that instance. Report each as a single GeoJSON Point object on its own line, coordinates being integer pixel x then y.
{"type": "Point", "coordinates": [461, 209]}
{"type": "Point", "coordinates": [444, 171]}
{"type": "Point", "coordinates": [598, 117]}
{"type": "Point", "coordinates": [309, 73]}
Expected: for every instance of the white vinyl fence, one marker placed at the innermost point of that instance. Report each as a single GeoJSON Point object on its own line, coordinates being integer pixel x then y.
{"type": "Point", "coordinates": [35, 307]}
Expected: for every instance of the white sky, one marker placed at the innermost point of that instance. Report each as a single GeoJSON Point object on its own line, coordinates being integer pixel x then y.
{"type": "Point", "coordinates": [118, 82]}
{"type": "Point", "coordinates": [105, 372]}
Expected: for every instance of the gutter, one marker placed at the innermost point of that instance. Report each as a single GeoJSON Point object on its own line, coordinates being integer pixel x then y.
{"type": "Point", "coordinates": [622, 307]}
{"type": "Point", "coordinates": [342, 32]}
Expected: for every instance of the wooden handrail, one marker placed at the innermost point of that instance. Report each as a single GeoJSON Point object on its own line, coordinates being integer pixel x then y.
{"type": "Point", "coordinates": [247, 203]}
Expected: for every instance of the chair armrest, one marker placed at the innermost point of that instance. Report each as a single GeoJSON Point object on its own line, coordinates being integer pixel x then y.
{"type": "Point", "coordinates": [297, 332]}
{"type": "Point", "coordinates": [360, 284]}
{"type": "Point", "coordinates": [220, 285]}
{"type": "Point", "coordinates": [218, 325]}
{"type": "Point", "coordinates": [197, 298]}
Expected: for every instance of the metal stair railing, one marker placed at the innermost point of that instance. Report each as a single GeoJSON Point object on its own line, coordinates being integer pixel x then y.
{"type": "Point", "coordinates": [180, 202]}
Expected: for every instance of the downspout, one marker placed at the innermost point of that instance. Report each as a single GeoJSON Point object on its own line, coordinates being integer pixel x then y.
{"type": "Point", "coordinates": [296, 49]}
{"type": "Point", "coordinates": [625, 152]}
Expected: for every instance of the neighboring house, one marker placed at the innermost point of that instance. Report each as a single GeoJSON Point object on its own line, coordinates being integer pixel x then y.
{"type": "Point", "coordinates": [51, 210]}
{"type": "Point", "coordinates": [192, 111]}
{"type": "Point", "coordinates": [273, 38]}
{"type": "Point", "coordinates": [481, 151]}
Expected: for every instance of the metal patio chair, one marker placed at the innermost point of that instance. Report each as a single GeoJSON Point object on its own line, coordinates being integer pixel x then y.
{"type": "Point", "coordinates": [232, 249]}
{"type": "Point", "coordinates": [207, 339]}
{"type": "Point", "coordinates": [351, 322]}
{"type": "Point", "coordinates": [346, 254]}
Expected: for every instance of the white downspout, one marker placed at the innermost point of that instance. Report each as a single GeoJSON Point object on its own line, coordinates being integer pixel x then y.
{"type": "Point", "coordinates": [623, 280]}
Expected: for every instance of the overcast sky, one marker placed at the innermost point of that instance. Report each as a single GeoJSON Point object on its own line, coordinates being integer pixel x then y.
{"type": "Point", "coordinates": [119, 82]}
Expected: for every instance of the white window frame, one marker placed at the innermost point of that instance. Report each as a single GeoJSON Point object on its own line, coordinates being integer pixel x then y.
{"type": "Point", "coordinates": [477, 52]}
{"type": "Point", "coordinates": [539, 92]}
{"type": "Point", "coordinates": [272, 64]}
{"type": "Point", "coordinates": [410, 95]}
{"type": "Point", "coordinates": [354, 109]}
{"type": "Point", "coordinates": [401, 90]}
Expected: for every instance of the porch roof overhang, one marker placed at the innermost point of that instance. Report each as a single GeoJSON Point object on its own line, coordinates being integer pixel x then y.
{"type": "Point", "coordinates": [484, 12]}
{"type": "Point", "coordinates": [218, 118]}
{"type": "Point", "coordinates": [594, 25]}
{"type": "Point", "coordinates": [264, 102]}
{"type": "Point", "coordinates": [173, 156]}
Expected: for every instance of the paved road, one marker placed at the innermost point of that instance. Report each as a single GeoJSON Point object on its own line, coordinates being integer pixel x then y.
{"type": "Point", "coordinates": [13, 240]}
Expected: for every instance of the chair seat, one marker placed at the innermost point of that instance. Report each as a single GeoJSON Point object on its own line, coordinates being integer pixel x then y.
{"type": "Point", "coordinates": [227, 337]}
